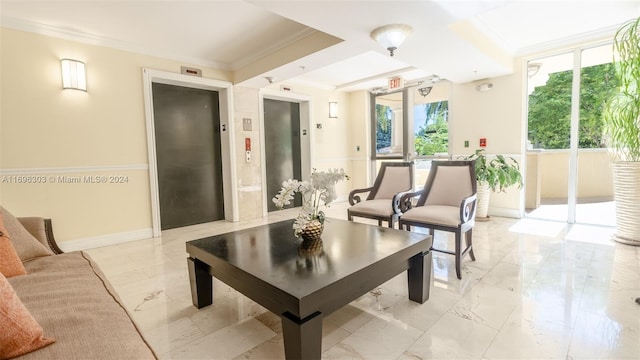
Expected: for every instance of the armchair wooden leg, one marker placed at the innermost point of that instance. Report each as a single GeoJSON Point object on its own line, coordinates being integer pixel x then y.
{"type": "Point", "coordinates": [458, 253]}
{"type": "Point", "coordinates": [468, 239]}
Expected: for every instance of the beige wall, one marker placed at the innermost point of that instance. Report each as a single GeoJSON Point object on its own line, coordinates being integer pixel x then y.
{"type": "Point", "coordinates": [595, 178]}
{"type": "Point", "coordinates": [48, 132]}
{"type": "Point", "coordinates": [496, 115]}
{"type": "Point", "coordinates": [249, 175]}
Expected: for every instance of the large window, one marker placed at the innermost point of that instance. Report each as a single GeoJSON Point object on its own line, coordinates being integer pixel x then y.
{"type": "Point", "coordinates": [431, 128]}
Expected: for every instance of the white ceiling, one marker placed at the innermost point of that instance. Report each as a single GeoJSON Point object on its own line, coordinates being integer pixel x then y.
{"type": "Point", "coordinates": [460, 40]}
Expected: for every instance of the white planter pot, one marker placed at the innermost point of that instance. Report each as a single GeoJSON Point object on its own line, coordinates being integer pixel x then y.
{"type": "Point", "coordinates": [626, 191]}
{"type": "Point", "coordinates": [482, 208]}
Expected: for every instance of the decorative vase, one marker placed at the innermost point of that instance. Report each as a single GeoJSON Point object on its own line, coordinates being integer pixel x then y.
{"type": "Point", "coordinates": [626, 188]}
{"type": "Point", "coordinates": [482, 206]}
{"type": "Point", "coordinates": [311, 247]}
{"type": "Point", "coordinates": [313, 230]}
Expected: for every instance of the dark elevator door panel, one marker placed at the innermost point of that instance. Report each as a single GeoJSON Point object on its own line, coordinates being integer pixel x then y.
{"type": "Point", "coordinates": [282, 143]}
{"type": "Point", "coordinates": [187, 129]}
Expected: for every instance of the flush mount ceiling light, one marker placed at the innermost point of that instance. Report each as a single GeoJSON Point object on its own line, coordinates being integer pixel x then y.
{"type": "Point", "coordinates": [391, 36]}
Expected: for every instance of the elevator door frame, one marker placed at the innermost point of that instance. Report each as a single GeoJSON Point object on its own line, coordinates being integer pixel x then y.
{"type": "Point", "coordinates": [225, 90]}
{"type": "Point", "coordinates": [306, 140]}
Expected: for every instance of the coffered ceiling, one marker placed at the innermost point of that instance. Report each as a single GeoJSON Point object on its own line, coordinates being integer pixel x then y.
{"type": "Point", "coordinates": [326, 43]}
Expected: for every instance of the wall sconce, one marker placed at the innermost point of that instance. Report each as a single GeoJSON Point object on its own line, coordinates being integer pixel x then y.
{"type": "Point", "coordinates": [425, 90]}
{"type": "Point", "coordinates": [333, 110]}
{"type": "Point", "coordinates": [391, 36]}
{"type": "Point", "coordinates": [73, 75]}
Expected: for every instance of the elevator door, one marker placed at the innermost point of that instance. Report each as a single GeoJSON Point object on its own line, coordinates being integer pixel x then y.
{"type": "Point", "coordinates": [282, 143]}
{"type": "Point", "coordinates": [189, 160]}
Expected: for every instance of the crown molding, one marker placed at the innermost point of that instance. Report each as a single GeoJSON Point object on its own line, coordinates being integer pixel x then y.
{"type": "Point", "coordinates": [600, 35]}
{"type": "Point", "coordinates": [282, 43]}
{"type": "Point", "coordinates": [77, 36]}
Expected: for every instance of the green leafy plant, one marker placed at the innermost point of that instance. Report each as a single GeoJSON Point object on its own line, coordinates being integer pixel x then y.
{"type": "Point", "coordinates": [499, 173]}
{"type": "Point", "coordinates": [622, 112]}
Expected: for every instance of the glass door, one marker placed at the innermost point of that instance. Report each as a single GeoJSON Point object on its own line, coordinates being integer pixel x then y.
{"type": "Point", "coordinates": [568, 172]}
{"type": "Point", "coordinates": [549, 136]}
{"type": "Point", "coordinates": [594, 187]}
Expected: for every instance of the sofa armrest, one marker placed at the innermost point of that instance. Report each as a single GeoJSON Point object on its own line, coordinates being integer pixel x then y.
{"type": "Point", "coordinates": [42, 230]}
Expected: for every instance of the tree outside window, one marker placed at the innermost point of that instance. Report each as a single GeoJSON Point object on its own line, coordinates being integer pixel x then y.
{"type": "Point", "coordinates": [550, 108]}
{"type": "Point", "coordinates": [431, 128]}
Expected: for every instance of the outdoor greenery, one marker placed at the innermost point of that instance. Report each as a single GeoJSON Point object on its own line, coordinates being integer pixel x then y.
{"type": "Point", "coordinates": [550, 108]}
{"type": "Point", "coordinates": [622, 115]}
{"type": "Point", "coordinates": [383, 127]}
{"type": "Point", "coordinates": [499, 172]}
{"type": "Point", "coordinates": [433, 136]}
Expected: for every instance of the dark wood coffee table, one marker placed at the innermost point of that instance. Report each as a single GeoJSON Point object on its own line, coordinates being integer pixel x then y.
{"type": "Point", "coordinates": [302, 286]}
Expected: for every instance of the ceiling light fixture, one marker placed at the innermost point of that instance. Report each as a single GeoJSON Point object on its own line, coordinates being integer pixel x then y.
{"type": "Point", "coordinates": [391, 36]}
{"type": "Point", "coordinates": [425, 90]}
{"type": "Point", "coordinates": [485, 86]}
{"type": "Point", "coordinates": [533, 68]}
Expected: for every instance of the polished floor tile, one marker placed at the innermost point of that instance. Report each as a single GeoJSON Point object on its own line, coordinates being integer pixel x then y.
{"type": "Point", "coordinates": [537, 290]}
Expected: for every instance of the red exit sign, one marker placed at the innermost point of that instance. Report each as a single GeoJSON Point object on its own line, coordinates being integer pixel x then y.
{"type": "Point", "coordinates": [396, 83]}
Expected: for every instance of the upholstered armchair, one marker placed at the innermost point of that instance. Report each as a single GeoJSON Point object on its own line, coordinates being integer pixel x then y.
{"type": "Point", "coordinates": [383, 200]}
{"type": "Point", "coordinates": [446, 203]}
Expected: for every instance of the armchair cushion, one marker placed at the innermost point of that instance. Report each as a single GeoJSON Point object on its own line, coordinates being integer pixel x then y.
{"type": "Point", "coordinates": [395, 179]}
{"type": "Point", "coordinates": [380, 207]}
{"type": "Point", "coordinates": [434, 214]}
{"type": "Point", "coordinates": [450, 186]}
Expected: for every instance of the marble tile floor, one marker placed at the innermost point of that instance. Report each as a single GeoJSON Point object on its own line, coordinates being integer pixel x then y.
{"type": "Point", "coordinates": [533, 293]}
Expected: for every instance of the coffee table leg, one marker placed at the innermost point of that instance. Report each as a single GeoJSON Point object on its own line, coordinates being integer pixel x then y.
{"type": "Point", "coordinates": [419, 276]}
{"type": "Point", "coordinates": [302, 338]}
{"type": "Point", "coordinates": [201, 283]}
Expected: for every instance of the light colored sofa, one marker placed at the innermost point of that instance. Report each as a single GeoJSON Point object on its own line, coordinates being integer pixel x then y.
{"type": "Point", "coordinates": [72, 300]}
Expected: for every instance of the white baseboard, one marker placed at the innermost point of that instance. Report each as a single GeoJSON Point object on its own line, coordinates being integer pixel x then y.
{"type": "Point", "coordinates": [105, 240]}
{"type": "Point", "coordinates": [505, 212]}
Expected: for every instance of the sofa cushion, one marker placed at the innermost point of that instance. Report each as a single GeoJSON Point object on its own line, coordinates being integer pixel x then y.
{"type": "Point", "coordinates": [19, 331]}
{"type": "Point", "coordinates": [10, 264]}
{"type": "Point", "coordinates": [72, 300]}
{"type": "Point", "coordinates": [27, 247]}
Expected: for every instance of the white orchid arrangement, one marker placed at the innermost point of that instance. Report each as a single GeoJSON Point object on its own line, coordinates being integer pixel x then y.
{"type": "Point", "coordinates": [319, 189]}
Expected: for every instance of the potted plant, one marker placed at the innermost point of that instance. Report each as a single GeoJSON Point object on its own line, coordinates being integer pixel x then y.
{"type": "Point", "coordinates": [621, 119]}
{"type": "Point", "coordinates": [320, 189]}
{"type": "Point", "coordinates": [496, 174]}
